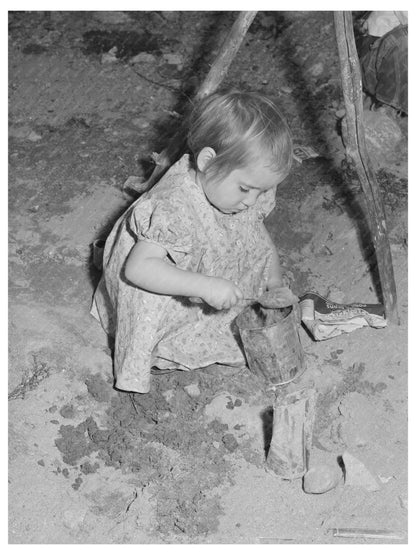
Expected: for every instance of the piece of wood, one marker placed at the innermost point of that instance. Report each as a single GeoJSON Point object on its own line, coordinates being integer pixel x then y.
{"type": "Point", "coordinates": [210, 84]}
{"type": "Point", "coordinates": [357, 155]}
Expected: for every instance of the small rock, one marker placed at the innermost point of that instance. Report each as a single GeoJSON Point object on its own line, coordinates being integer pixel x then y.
{"type": "Point", "coordinates": [340, 113]}
{"type": "Point", "coordinates": [356, 474]}
{"type": "Point", "coordinates": [110, 56]}
{"type": "Point", "coordinates": [192, 390]}
{"type": "Point", "coordinates": [403, 502]}
{"type": "Point", "coordinates": [216, 444]}
{"type": "Point", "coordinates": [168, 395]}
{"type": "Point", "coordinates": [41, 462]}
{"type": "Point", "coordinates": [286, 90]}
{"type": "Point", "coordinates": [230, 442]}
{"type": "Point", "coordinates": [316, 69]}
{"type": "Point", "coordinates": [144, 58]}
{"type": "Point", "coordinates": [321, 478]}
{"type": "Point", "coordinates": [34, 137]}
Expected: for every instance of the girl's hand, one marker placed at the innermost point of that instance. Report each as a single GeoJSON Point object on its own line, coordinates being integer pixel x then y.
{"type": "Point", "coordinates": [278, 297]}
{"type": "Point", "coordinates": [221, 293]}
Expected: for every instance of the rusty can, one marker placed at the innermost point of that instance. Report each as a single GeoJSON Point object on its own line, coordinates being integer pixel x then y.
{"type": "Point", "coordinates": [271, 343]}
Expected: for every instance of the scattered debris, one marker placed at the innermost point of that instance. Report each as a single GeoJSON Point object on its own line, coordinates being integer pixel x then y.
{"type": "Point", "coordinates": [326, 319]}
{"type": "Point", "coordinates": [301, 153]}
{"type": "Point", "coordinates": [31, 380]}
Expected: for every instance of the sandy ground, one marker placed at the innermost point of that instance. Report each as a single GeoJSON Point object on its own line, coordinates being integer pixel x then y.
{"type": "Point", "coordinates": [186, 462]}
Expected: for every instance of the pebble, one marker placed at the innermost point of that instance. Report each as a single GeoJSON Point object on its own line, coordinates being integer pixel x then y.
{"type": "Point", "coordinates": [192, 390]}
{"type": "Point", "coordinates": [321, 478]}
{"type": "Point", "coordinates": [168, 394]}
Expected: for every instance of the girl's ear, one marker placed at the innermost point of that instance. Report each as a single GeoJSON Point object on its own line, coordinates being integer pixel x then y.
{"type": "Point", "coordinates": [205, 156]}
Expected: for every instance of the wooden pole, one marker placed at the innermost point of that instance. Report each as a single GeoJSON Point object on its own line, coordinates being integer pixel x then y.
{"type": "Point", "coordinates": [210, 84]}
{"type": "Point", "coordinates": [357, 154]}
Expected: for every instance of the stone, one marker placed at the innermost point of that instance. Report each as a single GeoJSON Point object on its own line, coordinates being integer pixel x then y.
{"type": "Point", "coordinates": [192, 390]}
{"type": "Point", "coordinates": [321, 478]}
{"type": "Point", "coordinates": [168, 395]}
{"type": "Point", "coordinates": [356, 474]}
{"type": "Point", "coordinates": [316, 69]}
{"type": "Point", "coordinates": [109, 57]}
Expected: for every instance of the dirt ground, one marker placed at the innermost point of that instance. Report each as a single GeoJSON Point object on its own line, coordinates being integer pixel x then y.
{"type": "Point", "coordinates": [92, 95]}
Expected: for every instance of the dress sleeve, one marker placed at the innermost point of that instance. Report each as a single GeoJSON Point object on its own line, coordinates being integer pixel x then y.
{"type": "Point", "coordinates": [166, 222]}
{"type": "Point", "coordinates": [265, 203]}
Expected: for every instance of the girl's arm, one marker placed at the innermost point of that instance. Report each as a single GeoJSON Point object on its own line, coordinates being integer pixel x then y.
{"type": "Point", "coordinates": [148, 268]}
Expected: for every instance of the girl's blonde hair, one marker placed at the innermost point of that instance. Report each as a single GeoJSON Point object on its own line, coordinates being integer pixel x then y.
{"type": "Point", "coordinates": [237, 125]}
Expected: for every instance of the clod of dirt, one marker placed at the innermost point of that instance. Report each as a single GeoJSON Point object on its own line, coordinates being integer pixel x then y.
{"type": "Point", "coordinates": [98, 388]}
{"type": "Point", "coordinates": [230, 442]}
{"type": "Point", "coordinates": [74, 442]}
{"type": "Point", "coordinates": [67, 411]}
{"type": "Point", "coordinates": [88, 468]}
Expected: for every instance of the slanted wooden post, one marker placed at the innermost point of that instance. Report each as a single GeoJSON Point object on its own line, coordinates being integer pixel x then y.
{"type": "Point", "coordinates": [356, 151]}
{"type": "Point", "coordinates": [211, 82]}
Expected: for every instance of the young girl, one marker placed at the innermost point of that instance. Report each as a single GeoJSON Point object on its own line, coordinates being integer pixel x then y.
{"type": "Point", "coordinates": [180, 262]}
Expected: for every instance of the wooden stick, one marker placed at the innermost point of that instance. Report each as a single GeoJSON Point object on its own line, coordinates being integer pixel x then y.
{"type": "Point", "coordinates": [210, 84]}
{"type": "Point", "coordinates": [356, 151]}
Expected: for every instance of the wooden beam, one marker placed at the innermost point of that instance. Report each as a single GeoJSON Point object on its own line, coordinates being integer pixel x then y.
{"type": "Point", "coordinates": [210, 84]}
{"type": "Point", "coordinates": [357, 155]}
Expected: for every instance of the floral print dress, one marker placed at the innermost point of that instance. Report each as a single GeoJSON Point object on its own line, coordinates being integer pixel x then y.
{"type": "Point", "coordinates": [166, 332]}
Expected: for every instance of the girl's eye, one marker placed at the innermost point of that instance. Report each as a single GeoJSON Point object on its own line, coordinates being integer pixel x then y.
{"type": "Point", "coordinates": [244, 190]}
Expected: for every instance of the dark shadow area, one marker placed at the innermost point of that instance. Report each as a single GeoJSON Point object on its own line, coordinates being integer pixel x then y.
{"type": "Point", "coordinates": [267, 419]}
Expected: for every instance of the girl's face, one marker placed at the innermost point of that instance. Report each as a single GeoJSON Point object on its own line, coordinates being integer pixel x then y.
{"type": "Point", "coordinates": [241, 188]}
